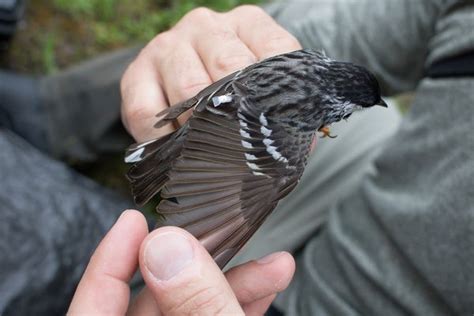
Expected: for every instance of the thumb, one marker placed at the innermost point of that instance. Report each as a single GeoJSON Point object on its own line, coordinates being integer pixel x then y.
{"type": "Point", "coordinates": [182, 276]}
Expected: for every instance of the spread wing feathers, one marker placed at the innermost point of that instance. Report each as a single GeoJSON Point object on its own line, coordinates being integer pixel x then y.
{"type": "Point", "coordinates": [219, 87]}
{"type": "Point", "coordinates": [153, 161]}
{"type": "Point", "coordinates": [212, 192]}
{"type": "Point", "coordinates": [140, 151]}
{"type": "Point", "coordinates": [153, 158]}
{"type": "Point", "coordinates": [218, 177]}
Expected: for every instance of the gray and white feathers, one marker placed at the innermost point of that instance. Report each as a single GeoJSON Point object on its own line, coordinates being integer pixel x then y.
{"type": "Point", "coordinates": [245, 146]}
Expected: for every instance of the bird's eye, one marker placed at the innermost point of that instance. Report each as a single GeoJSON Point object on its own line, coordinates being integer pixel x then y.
{"type": "Point", "coordinates": [347, 116]}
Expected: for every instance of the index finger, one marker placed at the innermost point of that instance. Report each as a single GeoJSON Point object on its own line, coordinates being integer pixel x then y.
{"type": "Point", "coordinates": [104, 286]}
{"type": "Point", "coordinates": [142, 99]}
{"type": "Point", "coordinates": [261, 33]}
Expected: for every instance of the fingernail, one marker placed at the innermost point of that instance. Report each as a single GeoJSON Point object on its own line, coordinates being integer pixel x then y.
{"type": "Point", "coordinates": [270, 258]}
{"type": "Point", "coordinates": [167, 254]}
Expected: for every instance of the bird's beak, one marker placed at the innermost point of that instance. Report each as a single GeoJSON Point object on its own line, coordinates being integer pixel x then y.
{"type": "Point", "coordinates": [382, 103]}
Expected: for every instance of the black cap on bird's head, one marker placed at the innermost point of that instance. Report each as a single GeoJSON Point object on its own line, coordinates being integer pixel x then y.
{"type": "Point", "coordinates": [360, 86]}
{"type": "Point", "coordinates": [353, 84]}
{"type": "Point", "coordinates": [346, 87]}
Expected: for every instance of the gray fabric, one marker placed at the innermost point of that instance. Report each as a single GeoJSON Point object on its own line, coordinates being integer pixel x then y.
{"type": "Point", "coordinates": [51, 219]}
{"type": "Point", "coordinates": [402, 242]}
{"type": "Point", "coordinates": [83, 104]}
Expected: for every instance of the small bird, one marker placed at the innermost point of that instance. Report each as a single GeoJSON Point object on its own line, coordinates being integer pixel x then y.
{"type": "Point", "coordinates": [245, 145]}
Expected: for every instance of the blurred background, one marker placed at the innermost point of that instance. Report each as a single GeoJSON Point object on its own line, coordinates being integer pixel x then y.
{"type": "Point", "coordinates": [51, 35]}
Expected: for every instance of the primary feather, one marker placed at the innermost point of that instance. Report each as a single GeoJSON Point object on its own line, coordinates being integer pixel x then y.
{"type": "Point", "coordinates": [245, 146]}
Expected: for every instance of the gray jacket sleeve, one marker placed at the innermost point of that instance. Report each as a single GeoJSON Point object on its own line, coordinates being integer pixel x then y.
{"type": "Point", "coordinates": [402, 242]}
{"type": "Point", "coordinates": [391, 37]}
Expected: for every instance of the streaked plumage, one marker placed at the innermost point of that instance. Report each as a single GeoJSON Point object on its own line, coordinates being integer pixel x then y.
{"type": "Point", "coordinates": [245, 146]}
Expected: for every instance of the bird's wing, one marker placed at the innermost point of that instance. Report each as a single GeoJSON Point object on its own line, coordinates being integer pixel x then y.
{"type": "Point", "coordinates": [219, 87]}
{"type": "Point", "coordinates": [152, 159]}
{"type": "Point", "coordinates": [151, 163]}
{"type": "Point", "coordinates": [222, 173]}
{"type": "Point", "coordinates": [273, 150]}
{"type": "Point", "coordinates": [221, 190]}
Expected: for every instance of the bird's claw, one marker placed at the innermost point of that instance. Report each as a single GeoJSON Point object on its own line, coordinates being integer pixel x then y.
{"type": "Point", "coordinates": [326, 132]}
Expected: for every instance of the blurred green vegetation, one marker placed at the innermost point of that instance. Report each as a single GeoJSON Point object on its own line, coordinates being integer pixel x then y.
{"type": "Point", "coordinates": [58, 33]}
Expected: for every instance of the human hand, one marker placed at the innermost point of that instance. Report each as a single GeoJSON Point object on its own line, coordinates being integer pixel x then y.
{"type": "Point", "coordinates": [203, 47]}
{"type": "Point", "coordinates": [180, 276]}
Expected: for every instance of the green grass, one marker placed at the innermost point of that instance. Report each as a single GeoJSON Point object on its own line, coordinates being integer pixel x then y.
{"type": "Point", "coordinates": [48, 59]}
{"type": "Point", "coordinates": [59, 33]}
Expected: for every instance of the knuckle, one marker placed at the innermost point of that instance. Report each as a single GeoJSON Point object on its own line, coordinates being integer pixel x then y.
{"type": "Point", "coordinates": [133, 113]}
{"type": "Point", "coordinates": [188, 86]}
{"type": "Point", "coordinates": [281, 42]}
{"type": "Point", "coordinates": [208, 300]}
{"type": "Point", "coordinates": [249, 10]}
{"type": "Point", "coordinates": [199, 14]}
{"type": "Point", "coordinates": [222, 35]}
{"type": "Point", "coordinates": [164, 39]}
{"type": "Point", "coordinates": [228, 63]}
{"type": "Point", "coordinates": [247, 294]}
{"type": "Point", "coordinates": [127, 91]}
{"type": "Point", "coordinates": [125, 79]}
{"type": "Point", "coordinates": [133, 120]}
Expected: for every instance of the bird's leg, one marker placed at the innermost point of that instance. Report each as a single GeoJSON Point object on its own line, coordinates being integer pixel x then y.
{"type": "Point", "coordinates": [326, 132]}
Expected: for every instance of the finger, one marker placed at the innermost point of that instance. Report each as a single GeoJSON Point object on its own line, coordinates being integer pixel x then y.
{"type": "Point", "coordinates": [217, 44]}
{"type": "Point", "coordinates": [183, 75]}
{"type": "Point", "coordinates": [143, 98]}
{"type": "Point", "coordinates": [256, 280]}
{"type": "Point", "coordinates": [258, 307]}
{"type": "Point", "coordinates": [252, 283]}
{"type": "Point", "coordinates": [261, 33]}
{"type": "Point", "coordinates": [183, 277]}
{"type": "Point", "coordinates": [144, 304]}
{"type": "Point", "coordinates": [104, 288]}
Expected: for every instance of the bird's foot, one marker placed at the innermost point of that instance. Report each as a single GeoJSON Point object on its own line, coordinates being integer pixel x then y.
{"type": "Point", "coordinates": [326, 132]}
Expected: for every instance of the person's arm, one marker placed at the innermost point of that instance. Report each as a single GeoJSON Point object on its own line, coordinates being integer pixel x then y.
{"type": "Point", "coordinates": [391, 37]}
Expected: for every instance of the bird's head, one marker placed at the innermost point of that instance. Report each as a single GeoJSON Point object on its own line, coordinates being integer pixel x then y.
{"type": "Point", "coordinates": [345, 88]}
{"type": "Point", "coordinates": [307, 90]}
